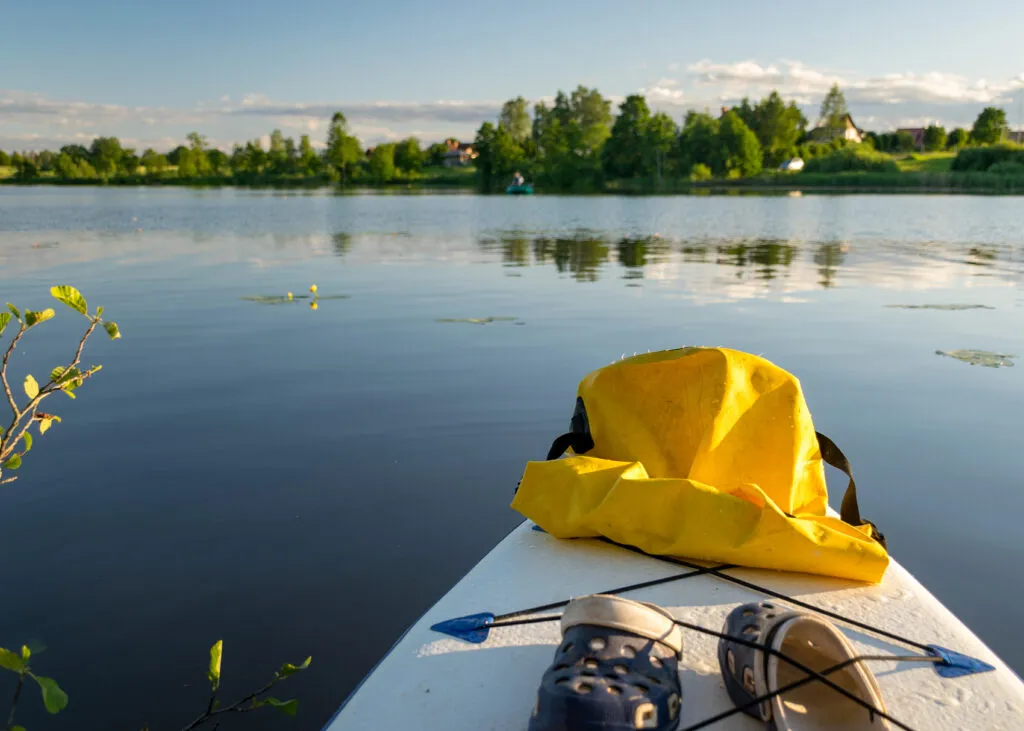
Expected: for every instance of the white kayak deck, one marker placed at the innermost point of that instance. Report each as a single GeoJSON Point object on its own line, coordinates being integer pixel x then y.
{"type": "Point", "coordinates": [432, 681]}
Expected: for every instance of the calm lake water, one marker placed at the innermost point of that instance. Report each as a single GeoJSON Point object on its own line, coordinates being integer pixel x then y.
{"type": "Point", "coordinates": [303, 482]}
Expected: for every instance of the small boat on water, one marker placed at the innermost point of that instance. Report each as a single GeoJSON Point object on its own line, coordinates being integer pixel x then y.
{"type": "Point", "coordinates": [494, 652]}
{"type": "Point", "coordinates": [524, 189]}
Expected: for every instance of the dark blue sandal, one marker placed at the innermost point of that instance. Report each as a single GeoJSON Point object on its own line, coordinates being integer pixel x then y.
{"type": "Point", "coordinates": [616, 668]}
{"type": "Point", "coordinates": [749, 672]}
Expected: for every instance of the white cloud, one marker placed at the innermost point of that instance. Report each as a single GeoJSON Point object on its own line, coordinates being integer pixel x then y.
{"type": "Point", "coordinates": [250, 100]}
{"type": "Point", "coordinates": [661, 93]}
{"type": "Point", "coordinates": [715, 73]}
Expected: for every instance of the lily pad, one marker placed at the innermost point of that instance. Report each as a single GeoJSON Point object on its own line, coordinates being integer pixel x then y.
{"type": "Point", "coordinates": [477, 320]}
{"type": "Point", "coordinates": [943, 307]}
{"type": "Point", "coordinates": [985, 358]}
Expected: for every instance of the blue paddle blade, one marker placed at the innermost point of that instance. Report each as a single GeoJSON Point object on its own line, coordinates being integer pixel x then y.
{"type": "Point", "coordinates": [471, 628]}
{"type": "Point", "coordinates": [538, 528]}
{"type": "Point", "coordinates": [955, 665]}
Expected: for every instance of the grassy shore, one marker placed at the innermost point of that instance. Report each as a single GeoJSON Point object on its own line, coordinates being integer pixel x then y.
{"type": "Point", "coordinates": [926, 162]}
{"type": "Point", "coordinates": [860, 182]}
{"type": "Point", "coordinates": [919, 173]}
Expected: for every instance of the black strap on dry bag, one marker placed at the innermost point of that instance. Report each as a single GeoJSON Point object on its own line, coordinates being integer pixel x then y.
{"type": "Point", "coordinates": [849, 511]}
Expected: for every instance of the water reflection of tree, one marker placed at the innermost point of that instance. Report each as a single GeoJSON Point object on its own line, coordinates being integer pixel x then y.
{"type": "Point", "coordinates": [341, 242]}
{"type": "Point", "coordinates": [980, 256]}
{"type": "Point", "coordinates": [582, 257]}
{"type": "Point", "coordinates": [632, 252]}
{"type": "Point", "coordinates": [695, 254]}
{"type": "Point", "coordinates": [515, 252]}
{"type": "Point", "coordinates": [829, 257]}
{"type": "Point", "coordinates": [768, 255]}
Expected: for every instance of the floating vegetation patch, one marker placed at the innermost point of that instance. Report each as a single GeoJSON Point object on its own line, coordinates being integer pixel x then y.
{"type": "Point", "coordinates": [477, 320]}
{"type": "Point", "coordinates": [274, 299]}
{"type": "Point", "coordinates": [985, 358]}
{"type": "Point", "coordinates": [942, 307]}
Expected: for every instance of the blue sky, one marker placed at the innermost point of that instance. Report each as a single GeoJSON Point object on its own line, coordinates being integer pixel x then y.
{"type": "Point", "coordinates": [150, 72]}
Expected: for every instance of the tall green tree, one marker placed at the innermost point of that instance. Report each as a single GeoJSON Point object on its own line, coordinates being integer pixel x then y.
{"type": "Point", "coordinates": [197, 159]}
{"type": "Point", "coordinates": [499, 155]}
{"type": "Point", "coordinates": [592, 115]}
{"type": "Point", "coordinates": [699, 144]}
{"type": "Point", "coordinates": [957, 138]}
{"type": "Point", "coordinates": [382, 163]}
{"type": "Point", "coordinates": [739, 145]}
{"type": "Point", "coordinates": [130, 162]}
{"type": "Point", "coordinates": [218, 160]}
{"type": "Point", "coordinates": [569, 136]}
{"type": "Point", "coordinates": [5, 159]}
{"type": "Point", "coordinates": [778, 127]}
{"type": "Point", "coordinates": [174, 156]}
{"type": "Point", "coordinates": [277, 155]}
{"type": "Point", "coordinates": [75, 152]}
{"type": "Point", "coordinates": [833, 110]}
{"type": "Point", "coordinates": [255, 155]}
{"type": "Point", "coordinates": [515, 117]}
{"type": "Point", "coordinates": [934, 137]}
{"type": "Point", "coordinates": [408, 155]}
{"type": "Point", "coordinates": [154, 162]}
{"type": "Point", "coordinates": [309, 161]}
{"type": "Point", "coordinates": [624, 155]}
{"type": "Point", "coordinates": [343, 150]}
{"type": "Point", "coordinates": [660, 139]}
{"type": "Point", "coordinates": [105, 155]}
{"type": "Point", "coordinates": [990, 126]}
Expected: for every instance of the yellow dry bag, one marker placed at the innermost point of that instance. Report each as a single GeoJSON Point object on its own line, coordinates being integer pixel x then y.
{"type": "Point", "coordinates": [703, 453]}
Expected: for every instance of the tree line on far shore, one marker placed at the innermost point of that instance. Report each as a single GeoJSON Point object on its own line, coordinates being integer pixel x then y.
{"type": "Point", "coordinates": [573, 144]}
{"type": "Point", "coordinates": [342, 160]}
{"type": "Point", "coordinates": [577, 144]}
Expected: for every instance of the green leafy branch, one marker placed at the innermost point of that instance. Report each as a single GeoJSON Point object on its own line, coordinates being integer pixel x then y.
{"type": "Point", "coordinates": [54, 698]}
{"type": "Point", "coordinates": [16, 439]}
{"type": "Point", "coordinates": [256, 699]}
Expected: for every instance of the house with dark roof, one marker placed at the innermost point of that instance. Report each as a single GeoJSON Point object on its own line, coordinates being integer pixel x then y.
{"type": "Point", "coordinates": [848, 131]}
{"type": "Point", "coordinates": [458, 154]}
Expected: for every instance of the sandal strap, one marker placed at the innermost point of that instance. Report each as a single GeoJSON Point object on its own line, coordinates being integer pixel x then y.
{"type": "Point", "coordinates": [606, 610]}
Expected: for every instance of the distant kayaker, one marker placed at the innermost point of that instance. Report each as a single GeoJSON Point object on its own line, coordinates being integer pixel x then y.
{"type": "Point", "coordinates": [517, 179]}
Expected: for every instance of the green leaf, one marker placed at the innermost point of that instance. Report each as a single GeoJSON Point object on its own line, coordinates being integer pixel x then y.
{"type": "Point", "coordinates": [25, 652]}
{"type": "Point", "coordinates": [54, 698]}
{"type": "Point", "coordinates": [70, 395]}
{"type": "Point", "coordinates": [10, 660]}
{"type": "Point", "coordinates": [112, 331]}
{"type": "Point", "coordinates": [44, 425]}
{"type": "Point", "coordinates": [34, 318]}
{"type": "Point", "coordinates": [99, 312]}
{"type": "Point", "coordinates": [28, 442]}
{"type": "Point", "coordinates": [71, 297]}
{"type": "Point", "coordinates": [12, 308]}
{"type": "Point", "coordinates": [5, 317]}
{"type": "Point", "coordinates": [17, 728]}
{"type": "Point", "coordinates": [56, 373]}
{"type": "Point", "coordinates": [216, 653]}
{"type": "Point", "coordinates": [289, 708]}
{"type": "Point", "coordinates": [13, 463]}
{"type": "Point", "coordinates": [31, 387]}
{"type": "Point", "coordinates": [289, 669]}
